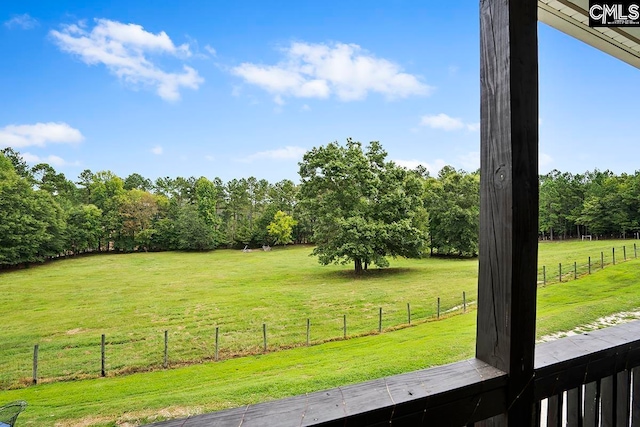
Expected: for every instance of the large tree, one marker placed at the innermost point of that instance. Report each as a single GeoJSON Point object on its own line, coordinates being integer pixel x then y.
{"type": "Point", "coordinates": [453, 202]}
{"type": "Point", "coordinates": [364, 207]}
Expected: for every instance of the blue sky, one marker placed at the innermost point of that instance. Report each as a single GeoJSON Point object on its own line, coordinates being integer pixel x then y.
{"type": "Point", "coordinates": [234, 89]}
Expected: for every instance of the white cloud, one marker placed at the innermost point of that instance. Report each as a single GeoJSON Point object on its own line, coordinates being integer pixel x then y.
{"type": "Point", "coordinates": [433, 168]}
{"type": "Point", "coordinates": [39, 134]}
{"type": "Point", "coordinates": [470, 161]}
{"type": "Point", "coordinates": [447, 123]}
{"type": "Point", "coordinates": [157, 150]}
{"type": "Point", "coordinates": [211, 50]}
{"type": "Point", "coordinates": [305, 107]}
{"type": "Point", "coordinates": [442, 121]}
{"type": "Point", "coordinates": [51, 159]}
{"type": "Point", "coordinates": [124, 49]}
{"type": "Point", "coordinates": [286, 153]}
{"type": "Point", "coordinates": [320, 71]}
{"type": "Point", "coordinates": [24, 21]}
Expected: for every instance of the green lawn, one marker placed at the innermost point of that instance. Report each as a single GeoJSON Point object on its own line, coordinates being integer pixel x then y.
{"type": "Point", "coordinates": [66, 305]}
{"type": "Point", "coordinates": [551, 253]}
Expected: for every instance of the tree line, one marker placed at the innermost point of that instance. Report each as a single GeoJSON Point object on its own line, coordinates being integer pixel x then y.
{"type": "Point", "coordinates": [597, 203]}
{"type": "Point", "coordinates": [351, 202]}
{"type": "Point", "coordinates": [45, 215]}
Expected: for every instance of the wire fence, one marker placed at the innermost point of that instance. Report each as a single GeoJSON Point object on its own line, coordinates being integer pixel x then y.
{"type": "Point", "coordinates": [128, 352]}
{"type": "Point", "coordinates": [563, 272]}
{"type": "Point", "coordinates": [104, 355]}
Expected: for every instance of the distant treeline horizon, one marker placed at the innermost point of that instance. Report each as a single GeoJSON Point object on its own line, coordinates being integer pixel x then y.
{"type": "Point", "coordinates": [44, 215]}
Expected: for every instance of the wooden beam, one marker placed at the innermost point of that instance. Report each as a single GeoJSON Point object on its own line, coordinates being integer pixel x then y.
{"type": "Point", "coordinates": [451, 395]}
{"type": "Point", "coordinates": [509, 198]}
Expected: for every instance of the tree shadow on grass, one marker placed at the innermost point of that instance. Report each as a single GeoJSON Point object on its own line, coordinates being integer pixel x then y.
{"type": "Point", "coordinates": [374, 273]}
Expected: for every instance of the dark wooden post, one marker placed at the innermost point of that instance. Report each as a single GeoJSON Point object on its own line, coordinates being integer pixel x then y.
{"type": "Point", "coordinates": [264, 337]}
{"type": "Point", "coordinates": [509, 199]}
{"type": "Point", "coordinates": [166, 349]}
{"type": "Point", "coordinates": [344, 325]}
{"type": "Point", "coordinates": [35, 364]}
{"type": "Point", "coordinates": [217, 343]}
{"type": "Point", "coordinates": [102, 355]}
{"type": "Point", "coordinates": [560, 272]}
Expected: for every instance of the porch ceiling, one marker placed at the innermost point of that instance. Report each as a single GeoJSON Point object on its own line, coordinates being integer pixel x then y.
{"type": "Point", "coordinates": [572, 17]}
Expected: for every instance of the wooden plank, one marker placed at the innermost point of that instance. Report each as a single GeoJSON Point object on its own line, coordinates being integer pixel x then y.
{"type": "Point", "coordinates": [465, 391]}
{"type": "Point", "coordinates": [230, 417]}
{"type": "Point", "coordinates": [465, 410]}
{"type": "Point", "coordinates": [170, 423]}
{"type": "Point", "coordinates": [572, 361]}
{"type": "Point", "coordinates": [509, 197]}
{"type": "Point", "coordinates": [538, 414]}
{"type": "Point", "coordinates": [554, 410]}
{"type": "Point", "coordinates": [226, 418]}
{"type": "Point", "coordinates": [457, 376]}
{"type": "Point", "coordinates": [288, 413]}
{"type": "Point", "coordinates": [607, 401]}
{"type": "Point", "coordinates": [622, 398]}
{"type": "Point", "coordinates": [371, 401]}
{"type": "Point", "coordinates": [574, 407]}
{"type": "Point", "coordinates": [591, 407]}
{"type": "Point", "coordinates": [467, 381]}
{"type": "Point", "coordinates": [635, 402]}
{"type": "Point", "coordinates": [324, 406]}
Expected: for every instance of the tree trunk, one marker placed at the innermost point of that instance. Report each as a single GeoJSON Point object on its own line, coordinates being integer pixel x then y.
{"type": "Point", "coordinates": [358, 265]}
{"type": "Point", "coordinates": [366, 265]}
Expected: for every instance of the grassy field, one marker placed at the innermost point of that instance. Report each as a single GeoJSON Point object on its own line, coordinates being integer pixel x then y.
{"type": "Point", "coordinates": [567, 252]}
{"type": "Point", "coordinates": [66, 305]}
